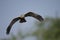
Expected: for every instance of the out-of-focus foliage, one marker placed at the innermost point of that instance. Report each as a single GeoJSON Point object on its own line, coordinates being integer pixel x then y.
{"type": "Point", "coordinates": [53, 33]}
{"type": "Point", "coordinates": [49, 29]}
{"type": "Point", "coordinates": [13, 37]}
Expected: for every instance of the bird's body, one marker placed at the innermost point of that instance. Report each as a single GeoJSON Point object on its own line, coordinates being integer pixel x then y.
{"type": "Point", "coordinates": [22, 19]}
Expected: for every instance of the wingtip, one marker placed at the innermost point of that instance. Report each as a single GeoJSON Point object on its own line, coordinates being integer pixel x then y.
{"type": "Point", "coordinates": [42, 19]}
{"type": "Point", "coordinates": [7, 32]}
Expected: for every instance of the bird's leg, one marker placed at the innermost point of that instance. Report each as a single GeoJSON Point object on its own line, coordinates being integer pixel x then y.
{"type": "Point", "coordinates": [22, 20]}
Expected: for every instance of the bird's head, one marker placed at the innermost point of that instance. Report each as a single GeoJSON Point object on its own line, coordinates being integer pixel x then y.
{"type": "Point", "coordinates": [22, 19]}
{"type": "Point", "coordinates": [22, 16]}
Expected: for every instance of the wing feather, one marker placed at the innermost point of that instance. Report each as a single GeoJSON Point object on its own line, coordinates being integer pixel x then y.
{"type": "Point", "coordinates": [34, 15]}
{"type": "Point", "coordinates": [11, 24]}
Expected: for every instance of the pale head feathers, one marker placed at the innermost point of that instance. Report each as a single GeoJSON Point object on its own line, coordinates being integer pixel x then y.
{"type": "Point", "coordinates": [22, 15]}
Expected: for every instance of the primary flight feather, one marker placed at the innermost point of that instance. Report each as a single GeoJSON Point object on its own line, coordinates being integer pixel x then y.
{"type": "Point", "coordinates": [22, 19]}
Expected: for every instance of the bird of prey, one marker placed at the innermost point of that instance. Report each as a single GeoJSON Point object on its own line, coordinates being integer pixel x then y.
{"type": "Point", "coordinates": [22, 19]}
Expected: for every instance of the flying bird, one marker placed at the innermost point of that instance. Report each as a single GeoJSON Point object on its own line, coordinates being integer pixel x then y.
{"type": "Point", "coordinates": [22, 19]}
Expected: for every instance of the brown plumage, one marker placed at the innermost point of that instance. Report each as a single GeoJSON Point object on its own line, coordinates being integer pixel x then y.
{"type": "Point", "coordinates": [22, 19]}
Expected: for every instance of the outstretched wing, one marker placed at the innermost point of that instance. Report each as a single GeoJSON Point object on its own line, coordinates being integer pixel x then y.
{"type": "Point", "coordinates": [34, 15]}
{"type": "Point", "coordinates": [11, 24]}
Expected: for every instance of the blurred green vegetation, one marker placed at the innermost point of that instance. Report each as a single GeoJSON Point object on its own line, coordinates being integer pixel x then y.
{"type": "Point", "coordinates": [49, 29]}
{"type": "Point", "coordinates": [53, 33]}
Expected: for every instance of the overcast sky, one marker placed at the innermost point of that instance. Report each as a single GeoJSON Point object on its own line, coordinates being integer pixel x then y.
{"type": "Point", "coordinates": [10, 9]}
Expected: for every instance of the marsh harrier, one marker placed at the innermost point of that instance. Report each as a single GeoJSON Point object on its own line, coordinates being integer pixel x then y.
{"type": "Point", "coordinates": [22, 19]}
